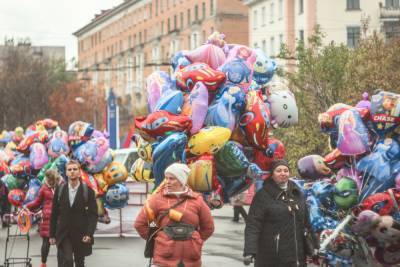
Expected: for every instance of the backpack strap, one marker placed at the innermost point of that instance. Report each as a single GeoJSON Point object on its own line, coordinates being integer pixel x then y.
{"type": "Point", "coordinates": [85, 196]}
{"type": "Point", "coordinates": [60, 189]}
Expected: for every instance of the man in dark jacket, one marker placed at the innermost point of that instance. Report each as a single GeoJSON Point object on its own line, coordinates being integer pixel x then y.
{"type": "Point", "coordinates": [277, 223]}
{"type": "Point", "coordinates": [73, 219]}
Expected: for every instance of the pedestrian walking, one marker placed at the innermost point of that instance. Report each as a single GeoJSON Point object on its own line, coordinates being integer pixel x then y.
{"type": "Point", "coordinates": [44, 200]}
{"type": "Point", "coordinates": [277, 231]}
{"type": "Point", "coordinates": [237, 202]}
{"type": "Point", "coordinates": [5, 206]}
{"type": "Point", "coordinates": [183, 218]}
{"type": "Point", "coordinates": [73, 219]}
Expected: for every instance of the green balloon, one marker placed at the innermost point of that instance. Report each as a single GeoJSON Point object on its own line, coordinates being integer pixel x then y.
{"type": "Point", "coordinates": [12, 182]}
{"type": "Point", "coordinates": [42, 172]}
{"type": "Point", "coordinates": [231, 161]}
{"type": "Point", "coordinates": [346, 193]}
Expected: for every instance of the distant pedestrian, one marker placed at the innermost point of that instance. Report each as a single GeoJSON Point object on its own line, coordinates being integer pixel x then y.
{"type": "Point", "coordinates": [45, 201]}
{"type": "Point", "coordinates": [183, 228]}
{"type": "Point", "coordinates": [5, 206]}
{"type": "Point", "coordinates": [277, 231]}
{"type": "Point", "coordinates": [237, 202]}
{"type": "Point", "coordinates": [73, 219]}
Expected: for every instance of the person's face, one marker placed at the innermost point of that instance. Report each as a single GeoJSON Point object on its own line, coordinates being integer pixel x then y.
{"type": "Point", "coordinates": [281, 174]}
{"type": "Point", "coordinates": [172, 184]}
{"type": "Point", "coordinates": [73, 172]}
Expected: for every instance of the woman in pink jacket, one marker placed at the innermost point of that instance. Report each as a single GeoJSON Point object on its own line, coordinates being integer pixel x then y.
{"type": "Point", "coordinates": [45, 200]}
{"type": "Point", "coordinates": [192, 215]}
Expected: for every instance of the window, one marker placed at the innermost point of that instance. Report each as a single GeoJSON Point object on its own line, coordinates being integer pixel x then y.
{"type": "Point", "coordinates": [301, 6]}
{"type": "Point", "coordinates": [181, 20]}
{"type": "Point", "coordinates": [169, 25]}
{"type": "Point", "coordinates": [353, 35]}
{"type": "Point", "coordinates": [211, 30]}
{"type": "Point", "coordinates": [204, 37]}
{"type": "Point", "coordinates": [264, 46]}
{"type": "Point", "coordinates": [280, 9]}
{"type": "Point", "coordinates": [162, 27]}
{"type": "Point", "coordinates": [255, 45]}
{"type": "Point", "coordinates": [271, 13]}
{"type": "Point", "coordinates": [281, 39]}
{"type": "Point", "coordinates": [175, 22]}
{"type": "Point", "coordinates": [211, 7]}
{"type": "Point", "coordinates": [263, 16]}
{"type": "Point", "coordinates": [156, 7]}
{"type": "Point", "coordinates": [301, 35]}
{"type": "Point", "coordinates": [392, 3]}
{"type": "Point", "coordinates": [134, 39]}
{"type": "Point", "coordinates": [203, 8]}
{"type": "Point", "coordinates": [140, 37]}
{"type": "Point", "coordinates": [196, 12]}
{"type": "Point", "coordinates": [188, 17]}
{"type": "Point", "coordinates": [189, 42]}
{"type": "Point", "coordinates": [353, 4]}
{"type": "Point", "coordinates": [272, 46]}
{"type": "Point", "coordinates": [255, 19]}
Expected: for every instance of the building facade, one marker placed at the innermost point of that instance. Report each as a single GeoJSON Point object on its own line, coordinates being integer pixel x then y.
{"type": "Point", "coordinates": [121, 46]}
{"type": "Point", "coordinates": [276, 22]}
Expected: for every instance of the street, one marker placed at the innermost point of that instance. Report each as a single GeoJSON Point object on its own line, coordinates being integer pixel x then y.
{"type": "Point", "coordinates": [224, 248]}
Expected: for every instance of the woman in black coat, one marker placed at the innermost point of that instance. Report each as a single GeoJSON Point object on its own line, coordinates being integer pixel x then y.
{"type": "Point", "coordinates": [277, 223]}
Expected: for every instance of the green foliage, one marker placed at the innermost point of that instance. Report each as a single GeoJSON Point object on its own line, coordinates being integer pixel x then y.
{"type": "Point", "coordinates": [325, 75]}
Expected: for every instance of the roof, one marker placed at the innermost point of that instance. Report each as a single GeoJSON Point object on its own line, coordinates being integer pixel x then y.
{"type": "Point", "coordinates": [104, 16]}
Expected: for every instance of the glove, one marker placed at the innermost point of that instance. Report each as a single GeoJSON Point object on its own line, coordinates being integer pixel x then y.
{"type": "Point", "coordinates": [248, 259]}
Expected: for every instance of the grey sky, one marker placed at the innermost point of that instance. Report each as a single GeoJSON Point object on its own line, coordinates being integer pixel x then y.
{"type": "Point", "coordinates": [49, 22]}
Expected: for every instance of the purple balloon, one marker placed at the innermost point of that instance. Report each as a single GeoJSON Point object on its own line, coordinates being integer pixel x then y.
{"type": "Point", "coordinates": [353, 135]}
{"type": "Point", "coordinates": [198, 99]}
{"type": "Point", "coordinates": [38, 156]}
{"type": "Point", "coordinates": [365, 103]}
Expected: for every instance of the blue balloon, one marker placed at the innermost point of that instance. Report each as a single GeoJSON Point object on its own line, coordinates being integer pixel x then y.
{"type": "Point", "coordinates": [33, 190]}
{"type": "Point", "coordinates": [371, 186]}
{"type": "Point", "coordinates": [170, 150]}
{"type": "Point", "coordinates": [117, 196]}
{"type": "Point", "coordinates": [318, 220]}
{"type": "Point", "coordinates": [233, 186]}
{"type": "Point", "coordinates": [179, 60]}
{"type": "Point", "coordinates": [171, 101]}
{"type": "Point", "coordinates": [264, 68]}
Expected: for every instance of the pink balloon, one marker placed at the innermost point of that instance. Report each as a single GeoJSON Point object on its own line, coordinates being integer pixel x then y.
{"type": "Point", "coordinates": [156, 84]}
{"type": "Point", "coordinates": [38, 156]}
{"type": "Point", "coordinates": [210, 54]}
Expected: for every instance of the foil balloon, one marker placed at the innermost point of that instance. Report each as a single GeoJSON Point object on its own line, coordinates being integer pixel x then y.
{"type": "Point", "coordinates": [156, 83]}
{"type": "Point", "coordinates": [388, 255]}
{"type": "Point", "coordinates": [171, 100]}
{"type": "Point", "coordinates": [208, 140]}
{"type": "Point", "coordinates": [318, 220]}
{"type": "Point", "coordinates": [114, 173]}
{"type": "Point", "coordinates": [40, 137]}
{"type": "Point", "coordinates": [385, 112]}
{"type": "Point", "coordinates": [141, 171]}
{"type": "Point", "coordinates": [335, 160]}
{"type": "Point", "coordinates": [20, 166]}
{"type": "Point", "coordinates": [78, 133]}
{"type": "Point", "coordinates": [264, 158]}
{"type": "Point", "coordinates": [255, 120]}
{"type": "Point", "coordinates": [12, 182]}
{"type": "Point", "coordinates": [384, 203]}
{"type": "Point", "coordinates": [161, 123]}
{"type": "Point", "coordinates": [196, 106]}
{"type": "Point", "coordinates": [371, 186]}
{"type": "Point", "coordinates": [231, 161]}
{"type": "Point", "coordinates": [99, 166]}
{"type": "Point", "coordinates": [264, 68]}
{"type": "Point", "coordinates": [232, 187]}
{"type": "Point", "coordinates": [117, 196]}
{"type": "Point", "coordinates": [58, 144]}
{"type": "Point", "coordinates": [101, 183]}
{"type": "Point", "coordinates": [48, 124]}
{"type": "Point", "coordinates": [210, 54]}
{"type": "Point", "coordinates": [4, 169]}
{"type": "Point", "coordinates": [366, 220]}
{"type": "Point", "coordinates": [283, 107]}
{"type": "Point", "coordinates": [364, 103]}
{"type": "Point", "coordinates": [203, 174]}
{"type": "Point", "coordinates": [187, 77]}
{"type": "Point", "coordinates": [33, 190]}
{"type": "Point", "coordinates": [345, 193]}
{"type": "Point", "coordinates": [6, 137]}
{"type": "Point", "coordinates": [18, 135]}
{"type": "Point", "coordinates": [38, 156]}
{"type": "Point", "coordinates": [387, 230]}
{"type": "Point", "coordinates": [145, 149]}
{"type": "Point", "coordinates": [16, 197]}
{"type": "Point", "coordinates": [353, 135]}
{"type": "Point", "coordinates": [91, 182]}
{"type": "Point", "coordinates": [312, 167]}
{"type": "Point", "coordinates": [378, 163]}
{"type": "Point", "coordinates": [93, 151]}
{"type": "Point", "coordinates": [6, 155]}
{"type": "Point", "coordinates": [218, 39]}
{"type": "Point", "coordinates": [170, 150]}
{"type": "Point", "coordinates": [179, 60]}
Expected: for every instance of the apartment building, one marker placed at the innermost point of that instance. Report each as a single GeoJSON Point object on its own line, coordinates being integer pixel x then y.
{"type": "Point", "coordinates": [121, 46]}
{"type": "Point", "coordinates": [276, 22]}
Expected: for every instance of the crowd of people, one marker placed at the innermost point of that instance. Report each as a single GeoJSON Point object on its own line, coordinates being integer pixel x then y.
{"type": "Point", "coordinates": [176, 221]}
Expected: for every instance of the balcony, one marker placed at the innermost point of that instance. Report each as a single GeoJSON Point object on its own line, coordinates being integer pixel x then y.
{"type": "Point", "coordinates": [389, 13]}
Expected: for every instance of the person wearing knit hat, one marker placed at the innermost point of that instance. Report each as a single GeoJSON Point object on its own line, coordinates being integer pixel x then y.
{"type": "Point", "coordinates": [280, 173]}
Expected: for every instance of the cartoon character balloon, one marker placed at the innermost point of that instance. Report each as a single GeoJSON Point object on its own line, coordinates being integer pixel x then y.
{"type": "Point", "coordinates": [58, 144]}
{"type": "Point", "coordinates": [283, 107]}
{"type": "Point", "coordinates": [117, 196]}
{"type": "Point", "coordinates": [264, 68]}
{"type": "Point", "coordinates": [313, 167]}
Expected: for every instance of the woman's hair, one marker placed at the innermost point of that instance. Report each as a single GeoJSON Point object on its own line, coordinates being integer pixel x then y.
{"type": "Point", "coordinates": [52, 176]}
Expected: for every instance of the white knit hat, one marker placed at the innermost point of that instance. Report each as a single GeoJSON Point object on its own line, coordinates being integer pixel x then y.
{"type": "Point", "coordinates": [180, 171]}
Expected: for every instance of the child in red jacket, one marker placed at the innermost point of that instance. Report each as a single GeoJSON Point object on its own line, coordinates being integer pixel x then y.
{"type": "Point", "coordinates": [45, 200]}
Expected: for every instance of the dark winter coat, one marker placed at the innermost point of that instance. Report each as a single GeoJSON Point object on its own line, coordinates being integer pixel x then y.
{"type": "Point", "coordinates": [44, 199]}
{"type": "Point", "coordinates": [5, 206]}
{"type": "Point", "coordinates": [276, 226]}
{"type": "Point", "coordinates": [75, 221]}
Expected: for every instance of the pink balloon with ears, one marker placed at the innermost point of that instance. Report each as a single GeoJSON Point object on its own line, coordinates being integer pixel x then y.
{"type": "Point", "coordinates": [210, 54]}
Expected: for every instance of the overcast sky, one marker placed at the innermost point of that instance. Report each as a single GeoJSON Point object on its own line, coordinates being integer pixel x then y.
{"type": "Point", "coordinates": [49, 22]}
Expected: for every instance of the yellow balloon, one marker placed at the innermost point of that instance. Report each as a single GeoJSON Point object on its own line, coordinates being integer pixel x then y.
{"type": "Point", "coordinates": [114, 173]}
{"type": "Point", "coordinates": [209, 140]}
{"type": "Point", "coordinates": [141, 171]}
{"type": "Point", "coordinates": [145, 150]}
{"type": "Point", "coordinates": [102, 184]}
{"type": "Point", "coordinates": [201, 174]}
{"type": "Point", "coordinates": [11, 146]}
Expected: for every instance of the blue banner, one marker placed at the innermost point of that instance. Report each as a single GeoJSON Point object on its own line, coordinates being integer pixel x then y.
{"type": "Point", "coordinates": [113, 120]}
